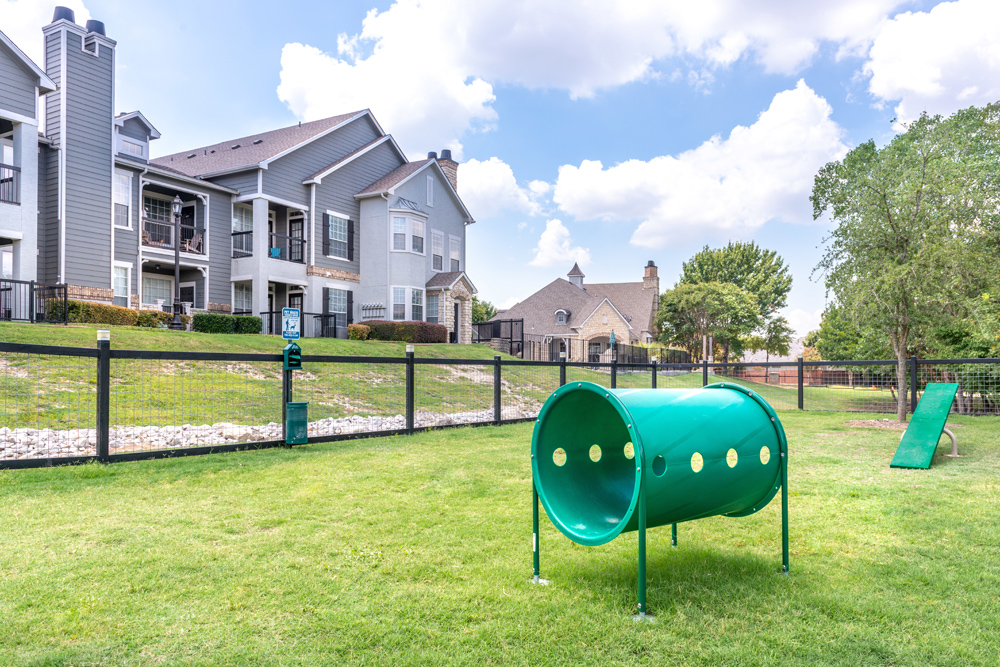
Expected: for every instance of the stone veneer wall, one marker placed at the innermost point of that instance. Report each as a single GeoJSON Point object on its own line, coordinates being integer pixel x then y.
{"type": "Point", "coordinates": [448, 297]}
{"type": "Point", "coordinates": [596, 327]}
{"type": "Point", "coordinates": [105, 294]}
{"type": "Point", "coordinates": [333, 274]}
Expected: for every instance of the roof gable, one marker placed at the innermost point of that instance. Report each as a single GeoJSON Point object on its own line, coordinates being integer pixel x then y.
{"type": "Point", "coordinates": [402, 174]}
{"type": "Point", "coordinates": [137, 115]}
{"type": "Point", "coordinates": [353, 155]}
{"type": "Point", "coordinates": [607, 301]}
{"type": "Point", "coordinates": [45, 84]}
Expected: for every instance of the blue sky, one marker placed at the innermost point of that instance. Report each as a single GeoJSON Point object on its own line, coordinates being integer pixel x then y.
{"type": "Point", "coordinates": [609, 133]}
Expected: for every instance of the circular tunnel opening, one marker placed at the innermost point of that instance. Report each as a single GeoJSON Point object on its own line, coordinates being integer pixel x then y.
{"type": "Point", "coordinates": [591, 496]}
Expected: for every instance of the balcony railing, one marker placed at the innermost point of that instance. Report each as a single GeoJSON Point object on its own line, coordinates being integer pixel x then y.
{"type": "Point", "coordinates": [159, 234]}
{"type": "Point", "coordinates": [10, 184]}
{"type": "Point", "coordinates": [287, 248]}
{"type": "Point", "coordinates": [242, 244]}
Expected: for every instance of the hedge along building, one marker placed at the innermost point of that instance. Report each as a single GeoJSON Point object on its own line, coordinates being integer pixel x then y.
{"type": "Point", "coordinates": [306, 216]}
{"type": "Point", "coordinates": [577, 318]}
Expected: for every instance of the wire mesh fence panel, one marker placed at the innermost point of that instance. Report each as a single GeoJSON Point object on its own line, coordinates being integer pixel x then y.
{"type": "Point", "coordinates": [778, 385]}
{"type": "Point", "coordinates": [452, 394]}
{"type": "Point", "coordinates": [678, 376]}
{"type": "Point", "coordinates": [349, 397]}
{"type": "Point", "coordinates": [168, 404]}
{"type": "Point", "coordinates": [978, 385]}
{"type": "Point", "coordinates": [634, 377]}
{"type": "Point", "coordinates": [47, 406]}
{"type": "Point", "coordinates": [524, 389]}
{"type": "Point", "coordinates": [871, 388]}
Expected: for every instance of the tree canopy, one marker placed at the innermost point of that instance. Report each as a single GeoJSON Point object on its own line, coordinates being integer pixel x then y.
{"type": "Point", "coordinates": [775, 338]}
{"type": "Point", "coordinates": [482, 311]}
{"type": "Point", "coordinates": [914, 242]}
{"type": "Point", "coordinates": [760, 272]}
{"type": "Point", "coordinates": [722, 310]}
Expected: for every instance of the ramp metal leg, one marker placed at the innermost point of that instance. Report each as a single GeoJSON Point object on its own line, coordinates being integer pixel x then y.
{"type": "Point", "coordinates": [536, 578]}
{"type": "Point", "coordinates": [673, 535]}
{"type": "Point", "coordinates": [954, 443]}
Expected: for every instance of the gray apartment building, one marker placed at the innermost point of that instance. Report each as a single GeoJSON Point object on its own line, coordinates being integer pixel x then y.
{"type": "Point", "coordinates": [328, 216]}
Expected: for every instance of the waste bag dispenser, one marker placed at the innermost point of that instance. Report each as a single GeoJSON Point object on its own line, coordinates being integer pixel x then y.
{"type": "Point", "coordinates": [609, 461]}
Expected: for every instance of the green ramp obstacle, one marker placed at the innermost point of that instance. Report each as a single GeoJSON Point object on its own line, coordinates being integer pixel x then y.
{"type": "Point", "coordinates": [609, 461]}
{"type": "Point", "coordinates": [920, 440]}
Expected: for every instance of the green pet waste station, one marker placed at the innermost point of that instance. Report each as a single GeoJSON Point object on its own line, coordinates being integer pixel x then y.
{"type": "Point", "coordinates": [610, 461]}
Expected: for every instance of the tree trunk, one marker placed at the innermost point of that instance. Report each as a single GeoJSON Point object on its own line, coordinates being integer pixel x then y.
{"type": "Point", "coordinates": [901, 385]}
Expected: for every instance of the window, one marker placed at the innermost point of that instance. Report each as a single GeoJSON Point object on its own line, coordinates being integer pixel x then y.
{"type": "Point", "coordinates": [399, 303]}
{"type": "Point", "coordinates": [338, 239]}
{"type": "Point", "coordinates": [430, 191]}
{"type": "Point", "coordinates": [243, 297]}
{"type": "Point", "coordinates": [417, 236]}
{"type": "Point", "coordinates": [242, 218]}
{"type": "Point", "coordinates": [157, 288]}
{"type": "Point", "coordinates": [121, 286]}
{"type": "Point", "coordinates": [432, 308]}
{"type": "Point", "coordinates": [157, 209]}
{"type": "Point", "coordinates": [123, 199]}
{"type": "Point", "coordinates": [338, 303]}
{"type": "Point", "coordinates": [132, 148]}
{"type": "Point", "coordinates": [561, 317]}
{"type": "Point", "coordinates": [417, 304]}
{"type": "Point", "coordinates": [399, 233]}
{"type": "Point", "coordinates": [437, 251]}
{"type": "Point", "coordinates": [455, 253]}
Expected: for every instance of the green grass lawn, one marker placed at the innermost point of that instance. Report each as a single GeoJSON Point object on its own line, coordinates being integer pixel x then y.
{"type": "Point", "coordinates": [417, 550]}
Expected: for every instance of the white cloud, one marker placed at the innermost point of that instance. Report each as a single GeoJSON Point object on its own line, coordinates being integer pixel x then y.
{"type": "Point", "coordinates": [724, 187]}
{"type": "Point", "coordinates": [521, 226]}
{"type": "Point", "coordinates": [23, 21]}
{"type": "Point", "coordinates": [539, 188]}
{"type": "Point", "coordinates": [555, 247]}
{"type": "Point", "coordinates": [938, 61]}
{"type": "Point", "coordinates": [427, 68]}
{"type": "Point", "coordinates": [802, 321]}
{"type": "Point", "coordinates": [508, 303]}
{"type": "Point", "coordinates": [488, 187]}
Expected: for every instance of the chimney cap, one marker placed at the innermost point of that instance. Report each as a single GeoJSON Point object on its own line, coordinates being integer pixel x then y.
{"type": "Point", "coordinates": [650, 263]}
{"type": "Point", "coordinates": [446, 154]}
{"type": "Point", "coordinates": [432, 155]}
{"type": "Point", "coordinates": [61, 13]}
{"type": "Point", "coordinates": [96, 26]}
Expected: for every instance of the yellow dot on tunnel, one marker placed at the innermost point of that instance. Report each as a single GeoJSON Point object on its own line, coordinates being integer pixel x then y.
{"type": "Point", "coordinates": [732, 458]}
{"type": "Point", "coordinates": [765, 455]}
{"type": "Point", "coordinates": [697, 462]}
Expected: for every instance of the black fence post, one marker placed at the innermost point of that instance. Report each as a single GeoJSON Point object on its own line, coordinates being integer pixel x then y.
{"type": "Point", "coordinates": [31, 302]}
{"type": "Point", "coordinates": [704, 372]}
{"type": "Point", "coordinates": [496, 390]}
{"type": "Point", "coordinates": [286, 397]}
{"type": "Point", "coordinates": [913, 384]}
{"type": "Point", "coordinates": [801, 383]}
{"type": "Point", "coordinates": [654, 373]}
{"type": "Point", "coordinates": [562, 368]}
{"type": "Point", "coordinates": [103, 394]}
{"type": "Point", "coordinates": [409, 388]}
{"type": "Point", "coordinates": [65, 292]}
{"type": "Point", "coordinates": [614, 372]}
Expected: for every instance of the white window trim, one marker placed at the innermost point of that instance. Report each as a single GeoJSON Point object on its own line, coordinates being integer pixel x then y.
{"type": "Point", "coordinates": [430, 254]}
{"type": "Point", "coordinates": [232, 293]}
{"type": "Point", "coordinates": [128, 280]}
{"type": "Point", "coordinates": [120, 172]}
{"type": "Point", "coordinates": [121, 147]}
{"type": "Point", "coordinates": [158, 276]}
{"type": "Point", "coordinates": [461, 261]}
{"type": "Point", "coordinates": [440, 301]}
{"type": "Point", "coordinates": [408, 314]}
{"type": "Point", "coordinates": [430, 191]}
{"type": "Point", "coordinates": [410, 217]}
{"type": "Point", "coordinates": [348, 219]}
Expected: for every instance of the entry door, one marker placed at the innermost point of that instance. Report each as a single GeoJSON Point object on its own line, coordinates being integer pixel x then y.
{"type": "Point", "coordinates": [187, 294]}
{"type": "Point", "coordinates": [295, 300]}
{"type": "Point", "coordinates": [455, 330]}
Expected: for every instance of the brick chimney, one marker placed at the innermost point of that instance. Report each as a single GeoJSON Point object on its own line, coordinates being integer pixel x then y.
{"type": "Point", "coordinates": [449, 167]}
{"type": "Point", "coordinates": [650, 280]}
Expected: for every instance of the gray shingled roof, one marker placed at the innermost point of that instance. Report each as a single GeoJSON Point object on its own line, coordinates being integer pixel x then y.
{"type": "Point", "coordinates": [447, 279]}
{"type": "Point", "coordinates": [539, 310]}
{"type": "Point", "coordinates": [223, 157]}
{"type": "Point", "coordinates": [393, 178]}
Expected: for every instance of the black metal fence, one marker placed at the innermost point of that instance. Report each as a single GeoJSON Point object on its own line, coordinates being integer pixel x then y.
{"type": "Point", "coordinates": [10, 184]}
{"type": "Point", "coordinates": [28, 301]}
{"type": "Point", "coordinates": [595, 351]}
{"type": "Point", "coordinates": [314, 325]}
{"type": "Point", "coordinates": [63, 404]}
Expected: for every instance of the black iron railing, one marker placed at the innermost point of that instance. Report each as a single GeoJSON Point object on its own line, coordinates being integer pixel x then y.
{"type": "Point", "coordinates": [242, 244]}
{"type": "Point", "coordinates": [287, 248]}
{"type": "Point", "coordinates": [10, 184]}
{"type": "Point", "coordinates": [324, 325]}
{"type": "Point", "coordinates": [160, 234]}
{"type": "Point", "coordinates": [28, 301]}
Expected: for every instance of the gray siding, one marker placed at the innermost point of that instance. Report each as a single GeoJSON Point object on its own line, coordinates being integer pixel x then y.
{"type": "Point", "coordinates": [336, 193]}
{"type": "Point", "coordinates": [17, 87]}
{"type": "Point", "coordinates": [48, 214]}
{"type": "Point", "coordinates": [244, 181]}
{"type": "Point", "coordinates": [88, 152]}
{"type": "Point", "coordinates": [53, 67]}
{"type": "Point", "coordinates": [283, 177]}
{"type": "Point", "coordinates": [445, 216]}
{"type": "Point", "coordinates": [127, 240]}
{"type": "Point", "coordinates": [220, 235]}
{"type": "Point", "coordinates": [134, 129]}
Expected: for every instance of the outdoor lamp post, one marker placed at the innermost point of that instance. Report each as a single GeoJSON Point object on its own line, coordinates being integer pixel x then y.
{"type": "Point", "coordinates": [175, 206]}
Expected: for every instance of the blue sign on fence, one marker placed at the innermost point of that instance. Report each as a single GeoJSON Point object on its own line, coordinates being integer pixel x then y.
{"type": "Point", "coordinates": [290, 323]}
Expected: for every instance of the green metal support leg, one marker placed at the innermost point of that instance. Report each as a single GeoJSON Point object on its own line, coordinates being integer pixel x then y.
{"type": "Point", "coordinates": [536, 578]}
{"type": "Point", "coordinates": [784, 512]}
{"type": "Point", "coordinates": [642, 554]}
{"type": "Point", "coordinates": [673, 535]}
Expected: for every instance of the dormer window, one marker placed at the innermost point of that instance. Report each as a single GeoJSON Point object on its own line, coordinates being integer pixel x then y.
{"type": "Point", "coordinates": [133, 147]}
{"type": "Point", "coordinates": [562, 316]}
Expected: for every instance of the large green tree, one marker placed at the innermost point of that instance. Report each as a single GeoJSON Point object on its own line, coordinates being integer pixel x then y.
{"type": "Point", "coordinates": [760, 272]}
{"type": "Point", "coordinates": [914, 241]}
{"type": "Point", "coordinates": [482, 311]}
{"type": "Point", "coordinates": [774, 338]}
{"type": "Point", "coordinates": [723, 310]}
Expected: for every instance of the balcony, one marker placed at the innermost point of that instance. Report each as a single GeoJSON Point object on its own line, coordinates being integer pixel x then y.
{"type": "Point", "coordinates": [287, 248]}
{"type": "Point", "coordinates": [159, 234]}
{"type": "Point", "coordinates": [10, 184]}
{"type": "Point", "coordinates": [242, 244]}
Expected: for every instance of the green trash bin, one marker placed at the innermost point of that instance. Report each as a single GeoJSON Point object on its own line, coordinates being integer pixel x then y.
{"type": "Point", "coordinates": [296, 423]}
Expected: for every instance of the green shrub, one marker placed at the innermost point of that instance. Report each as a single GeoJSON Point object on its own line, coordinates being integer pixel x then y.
{"type": "Point", "coordinates": [246, 324]}
{"type": "Point", "coordinates": [358, 331]}
{"type": "Point", "coordinates": [87, 312]}
{"type": "Point", "coordinates": [409, 332]}
{"type": "Point", "coordinates": [214, 323]}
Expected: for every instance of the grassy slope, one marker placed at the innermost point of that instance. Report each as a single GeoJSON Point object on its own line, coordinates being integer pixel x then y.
{"type": "Point", "coordinates": [416, 550]}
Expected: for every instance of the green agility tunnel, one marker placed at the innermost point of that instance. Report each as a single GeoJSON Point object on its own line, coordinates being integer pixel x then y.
{"type": "Point", "coordinates": [608, 461]}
